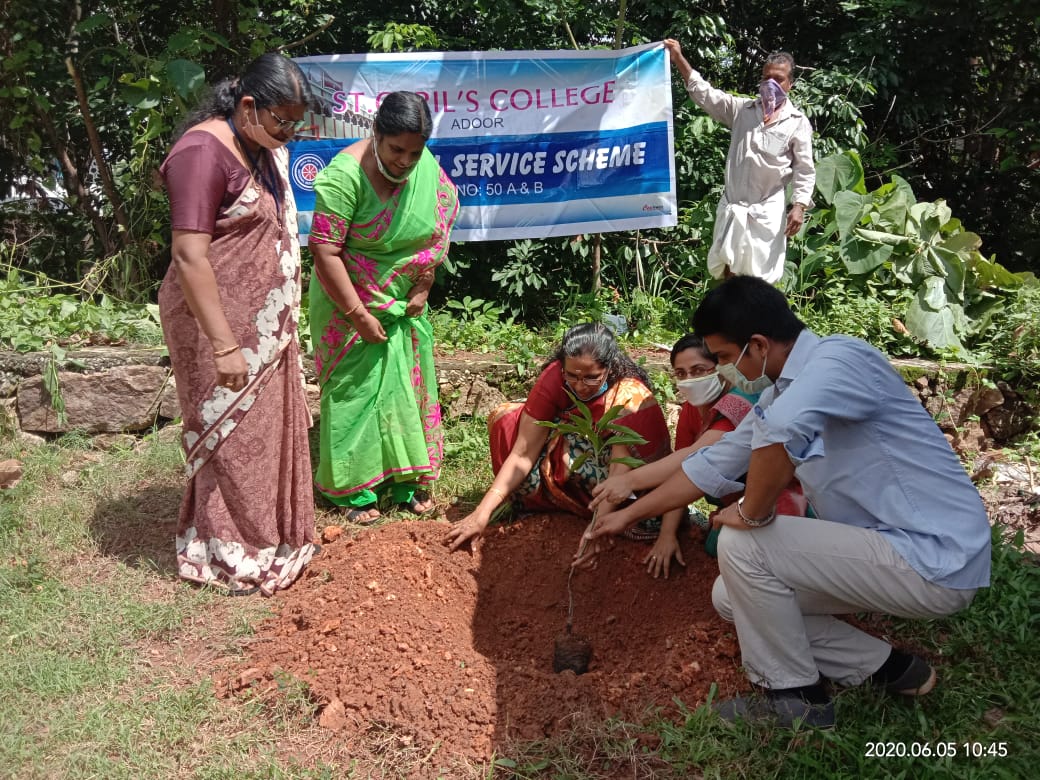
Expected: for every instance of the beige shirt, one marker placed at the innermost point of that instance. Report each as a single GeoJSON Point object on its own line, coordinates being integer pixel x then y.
{"type": "Point", "coordinates": [762, 161]}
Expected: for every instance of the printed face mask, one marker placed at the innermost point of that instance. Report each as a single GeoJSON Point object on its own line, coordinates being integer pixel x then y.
{"type": "Point", "coordinates": [259, 135]}
{"type": "Point", "coordinates": [700, 390]}
{"type": "Point", "coordinates": [772, 96]}
{"type": "Point", "coordinates": [736, 378]}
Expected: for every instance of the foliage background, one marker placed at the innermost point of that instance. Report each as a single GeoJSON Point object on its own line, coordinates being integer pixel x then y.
{"type": "Point", "coordinates": [945, 96]}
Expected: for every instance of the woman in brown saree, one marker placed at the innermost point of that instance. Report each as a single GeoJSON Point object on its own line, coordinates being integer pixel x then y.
{"type": "Point", "coordinates": [230, 306]}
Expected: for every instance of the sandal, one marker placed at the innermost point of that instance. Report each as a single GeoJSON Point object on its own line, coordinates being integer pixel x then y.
{"type": "Point", "coordinates": [359, 515]}
{"type": "Point", "coordinates": [242, 591]}
{"type": "Point", "coordinates": [644, 531]}
{"type": "Point", "coordinates": [419, 497]}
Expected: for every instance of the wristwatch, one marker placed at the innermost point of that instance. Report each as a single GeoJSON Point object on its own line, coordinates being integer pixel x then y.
{"type": "Point", "coordinates": [754, 523]}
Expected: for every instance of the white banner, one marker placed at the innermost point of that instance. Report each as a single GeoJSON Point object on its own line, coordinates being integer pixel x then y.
{"type": "Point", "coordinates": [539, 143]}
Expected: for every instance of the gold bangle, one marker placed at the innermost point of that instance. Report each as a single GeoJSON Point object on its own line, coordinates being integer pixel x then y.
{"type": "Point", "coordinates": [353, 309]}
{"type": "Point", "coordinates": [500, 493]}
{"type": "Point", "coordinates": [223, 352]}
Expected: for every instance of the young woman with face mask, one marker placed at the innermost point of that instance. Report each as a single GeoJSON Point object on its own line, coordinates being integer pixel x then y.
{"type": "Point", "coordinates": [230, 306]}
{"type": "Point", "coordinates": [710, 403]}
{"type": "Point", "coordinates": [533, 469]}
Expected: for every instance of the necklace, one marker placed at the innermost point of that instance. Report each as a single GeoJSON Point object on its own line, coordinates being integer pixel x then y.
{"type": "Point", "coordinates": [382, 168]}
{"type": "Point", "coordinates": [267, 179]}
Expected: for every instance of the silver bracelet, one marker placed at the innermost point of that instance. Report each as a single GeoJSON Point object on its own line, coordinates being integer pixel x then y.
{"type": "Point", "coordinates": [754, 523]}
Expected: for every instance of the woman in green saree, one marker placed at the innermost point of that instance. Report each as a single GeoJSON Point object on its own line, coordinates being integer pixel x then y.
{"type": "Point", "coordinates": [382, 220]}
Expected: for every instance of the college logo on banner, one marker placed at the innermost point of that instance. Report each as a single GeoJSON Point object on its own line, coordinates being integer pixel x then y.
{"type": "Point", "coordinates": [539, 143]}
{"type": "Point", "coordinates": [304, 170]}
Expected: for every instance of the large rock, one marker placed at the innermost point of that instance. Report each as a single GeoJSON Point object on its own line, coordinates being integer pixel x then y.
{"type": "Point", "coordinates": [476, 398]}
{"type": "Point", "coordinates": [954, 410]}
{"type": "Point", "coordinates": [169, 403]}
{"type": "Point", "coordinates": [125, 398]}
{"type": "Point", "coordinates": [1009, 419]}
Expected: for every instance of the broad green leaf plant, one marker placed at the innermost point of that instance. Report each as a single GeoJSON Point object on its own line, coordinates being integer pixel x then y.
{"type": "Point", "coordinates": [602, 435]}
{"type": "Point", "coordinates": [887, 233]}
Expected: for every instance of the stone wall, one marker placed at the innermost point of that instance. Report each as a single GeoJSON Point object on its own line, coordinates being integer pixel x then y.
{"type": "Point", "coordinates": [110, 390]}
{"type": "Point", "coordinates": [132, 389]}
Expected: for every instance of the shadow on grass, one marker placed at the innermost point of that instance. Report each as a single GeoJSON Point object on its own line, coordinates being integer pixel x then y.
{"type": "Point", "coordinates": [139, 528]}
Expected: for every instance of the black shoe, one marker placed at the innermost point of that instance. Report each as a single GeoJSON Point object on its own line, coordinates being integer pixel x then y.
{"type": "Point", "coordinates": [917, 680]}
{"type": "Point", "coordinates": [788, 709]}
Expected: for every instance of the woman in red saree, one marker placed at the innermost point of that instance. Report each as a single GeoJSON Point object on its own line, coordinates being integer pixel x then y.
{"type": "Point", "coordinates": [533, 468]}
{"type": "Point", "coordinates": [229, 306]}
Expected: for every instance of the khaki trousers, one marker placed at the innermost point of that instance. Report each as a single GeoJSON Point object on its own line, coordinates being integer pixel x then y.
{"type": "Point", "coordinates": [782, 584]}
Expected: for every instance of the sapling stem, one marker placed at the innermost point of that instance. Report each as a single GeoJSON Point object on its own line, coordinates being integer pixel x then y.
{"type": "Point", "coordinates": [581, 551]}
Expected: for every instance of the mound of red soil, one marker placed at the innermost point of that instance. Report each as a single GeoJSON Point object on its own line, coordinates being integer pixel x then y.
{"type": "Point", "coordinates": [390, 628]}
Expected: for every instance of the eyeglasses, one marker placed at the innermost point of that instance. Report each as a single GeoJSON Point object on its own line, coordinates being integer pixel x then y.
{"type": "Point", "coordinates": [588, 381]}
{"type": "Point", "coordinates": [694, 373]}
{"type": "Point", "coordinates": [288, 124]}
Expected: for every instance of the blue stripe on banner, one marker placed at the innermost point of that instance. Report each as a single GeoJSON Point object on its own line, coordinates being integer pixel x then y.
{"type": "Point", "coordinates": [506, 170]}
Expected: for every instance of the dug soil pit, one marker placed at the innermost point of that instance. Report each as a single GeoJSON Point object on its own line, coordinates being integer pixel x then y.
{"type": "Point", "coordinates": [387, 627]}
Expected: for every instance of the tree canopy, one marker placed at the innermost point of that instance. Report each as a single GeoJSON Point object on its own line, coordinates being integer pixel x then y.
{"type": "Point", "coordinates": [946, 95]}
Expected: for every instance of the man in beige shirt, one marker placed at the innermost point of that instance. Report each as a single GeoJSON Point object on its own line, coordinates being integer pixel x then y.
{"type": "Point", "coordinates": [770, 148]}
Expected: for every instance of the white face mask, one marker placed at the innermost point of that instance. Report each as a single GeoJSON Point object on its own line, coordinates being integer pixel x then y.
{"type": "Point", "coordinates": [736, 378]}
{"type": "Point", "coordinates": [383, 169]}
{"type": "Point", "coordinates": [700, 390]}
{"type": "Point", "coordinates": [258, 134]}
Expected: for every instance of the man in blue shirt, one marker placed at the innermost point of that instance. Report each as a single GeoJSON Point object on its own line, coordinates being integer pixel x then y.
{"type": "Point", "coordinates": [897, 525]}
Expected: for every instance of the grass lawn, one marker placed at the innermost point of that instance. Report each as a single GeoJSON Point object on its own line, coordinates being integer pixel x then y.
{"type": "Point", "coordinates": [107, 662]}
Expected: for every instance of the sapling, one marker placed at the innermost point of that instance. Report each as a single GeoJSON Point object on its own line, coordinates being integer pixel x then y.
{"type": "Point", "coordinates": [602, 436]}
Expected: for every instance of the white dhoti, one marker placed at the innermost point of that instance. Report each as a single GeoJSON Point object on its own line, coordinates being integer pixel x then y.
{"type": "Point", "coordinates": [749, 238]}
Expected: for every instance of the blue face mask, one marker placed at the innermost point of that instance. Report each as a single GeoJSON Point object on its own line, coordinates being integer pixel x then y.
{"type": "Point", "coordinates": [602, 389]}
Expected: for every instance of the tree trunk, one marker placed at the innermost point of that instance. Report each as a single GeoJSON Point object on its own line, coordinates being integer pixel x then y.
{"type": "Point", "coordinates": [597, 241]}
{"type": "Point", "coordinates": [84, 202]}
{"type": "Point", "coordinates": [107, 184]}
{"type": "Point", "coordinates": [619, 31]}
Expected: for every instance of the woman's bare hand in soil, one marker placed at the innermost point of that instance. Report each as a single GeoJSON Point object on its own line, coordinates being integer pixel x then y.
{"type": "Point", "coordinates": [469, 529]}
{"type": "Point", "coordinates": [587, 556]}
{"type": "Point", "coordinates": [659, 560]}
